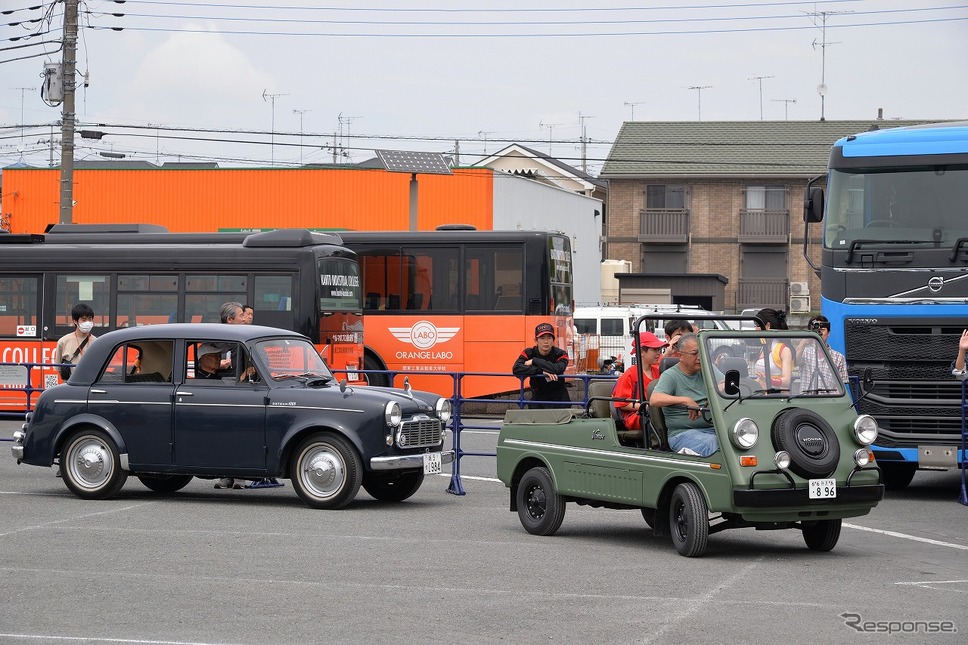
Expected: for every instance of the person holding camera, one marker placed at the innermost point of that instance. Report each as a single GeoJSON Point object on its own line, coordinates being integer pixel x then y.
{"type": "Point", "coordinates": [808, 357]}
{"type": "Point", "coordinates": [71, 346]}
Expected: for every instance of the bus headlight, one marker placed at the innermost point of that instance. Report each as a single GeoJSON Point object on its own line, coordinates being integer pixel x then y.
{"type": "Point", "coordinates": [444, 410]}
{"type": "Point", "coordinates": [782, 459]}
{"type": "Point", "coordinates": [865, 429]}
{"type": "Point", "coordinates": [745, 433]}
{"type": "Point", "coordinates": [392, 414]}
{"type": "Point", "coordinates": [862, 456]}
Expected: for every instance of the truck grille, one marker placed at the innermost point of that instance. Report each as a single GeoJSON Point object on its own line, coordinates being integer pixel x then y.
{"type": "Point", "coordinates": [419, 433]}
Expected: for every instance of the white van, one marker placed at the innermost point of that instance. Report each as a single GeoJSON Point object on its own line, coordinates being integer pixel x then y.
{"type": "Point", "coordinates": [605, 333]}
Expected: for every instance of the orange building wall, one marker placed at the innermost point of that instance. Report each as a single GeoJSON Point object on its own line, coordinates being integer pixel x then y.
{"type": "Point", "coordinates": [209, 200]}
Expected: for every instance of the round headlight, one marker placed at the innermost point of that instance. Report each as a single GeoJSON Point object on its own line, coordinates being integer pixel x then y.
{"type": "Point", "coordinates": [444, 410]}
{"type": "Point", "coordinates": [745, 433]}
{"type": "Point", "coordinates": [865, 429]}
{"type": "Point", "coordinates": [862, 456]}
{"type": "Point", "coordinates": [782, 459]}
{"type": "Point", "coordinates": [393, 414]}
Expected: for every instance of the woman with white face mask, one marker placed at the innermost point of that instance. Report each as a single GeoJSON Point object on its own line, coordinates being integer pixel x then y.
{"type": "Point", "coordinates": [71, 347]}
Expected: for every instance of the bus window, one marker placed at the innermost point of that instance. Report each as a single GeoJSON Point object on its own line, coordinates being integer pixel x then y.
{"type": "Point", "coordinates": [205, 294]}
{"type": "Point", "coordinates": [146, 300]}
{"type": "Point", "coordinates": [494, 277]}
{"type": "Point", "coordinates": [272, 303]}
{"type": "Point", "coordinates": [431, 279]}
{"type": "Point", "coordinates": [18, 306]}
{"type": "Point", "coordinates": [72, 289]}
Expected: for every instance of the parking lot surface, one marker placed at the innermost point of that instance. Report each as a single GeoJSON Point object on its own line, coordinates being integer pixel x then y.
{"type": "Point", "coordinates": [258, 566]}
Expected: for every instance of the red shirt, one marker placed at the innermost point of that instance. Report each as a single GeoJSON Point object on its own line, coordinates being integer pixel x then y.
{"type": "Point", "coordinates": [626, 388]}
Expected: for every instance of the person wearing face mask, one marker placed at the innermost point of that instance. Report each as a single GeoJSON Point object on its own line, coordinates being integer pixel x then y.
{"type": "Point", "coordinates": [72, 346]}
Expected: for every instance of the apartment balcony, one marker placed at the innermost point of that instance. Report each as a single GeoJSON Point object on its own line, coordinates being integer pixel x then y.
{"type": "Point", "coordinates": [758, 226]}
{"type": "Point", "coordinates": [664, 226]}
{"type": "Point", "coordinates": [757, 293]}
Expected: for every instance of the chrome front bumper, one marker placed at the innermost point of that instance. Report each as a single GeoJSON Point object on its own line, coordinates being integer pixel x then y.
{"type": "Point", "coordinates": [402, 462]}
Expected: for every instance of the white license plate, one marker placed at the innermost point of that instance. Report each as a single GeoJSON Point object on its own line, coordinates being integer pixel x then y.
{"type": "Point", "coordinates": [350, 376]}
{"type": "Point", "coordinates": [822, 488]}
{"type": "Point", "coordinates": [431, 463]}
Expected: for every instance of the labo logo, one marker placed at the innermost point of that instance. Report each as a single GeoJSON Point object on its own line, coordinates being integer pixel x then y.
{"type": "Point", "coordinates": [424, 334]}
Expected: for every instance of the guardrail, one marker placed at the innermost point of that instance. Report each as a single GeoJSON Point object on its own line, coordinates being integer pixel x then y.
{"type": "Point", "coordinates": [457, 424]}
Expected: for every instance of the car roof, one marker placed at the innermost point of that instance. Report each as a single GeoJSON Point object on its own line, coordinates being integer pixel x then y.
{"type": "Point", "coordinates": [197, 331]}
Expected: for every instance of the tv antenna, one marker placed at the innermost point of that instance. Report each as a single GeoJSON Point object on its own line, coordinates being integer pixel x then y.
{"type": "Point", "coordinates": [760, 80]}
{"type": "Point", "coordinates": [483, 135]}
{"type": "Point", "coordinates": [345, 142]}
{"type": "Point", "coordinates": [632, 106]}
{"type": "Point", "coordinates": [551, 131]}
{"type": "Point", "coordinates": [272, 131]}
{"type": "Point", "coordinates": [300, 113]}
{"type": "Point", "coordinates": [822, 16]}
{"type": "Point", "coordinates": [699, 89]}
{"type": "Point", "coordinates": [584, 141]}
{"type": "Point", "coordinates": [786, 107]}
{"type": "Point", "coordinates": [22, 91]}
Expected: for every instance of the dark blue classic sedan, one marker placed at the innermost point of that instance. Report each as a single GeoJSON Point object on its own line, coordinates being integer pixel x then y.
{"type": "Point", "coordinates": [166, 403]}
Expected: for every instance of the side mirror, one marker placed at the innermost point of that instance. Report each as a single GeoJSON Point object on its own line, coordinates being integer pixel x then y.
{"type": "Point", "coordinates": [813, 204]}
{"type": "Point", "coordinates": [731, 384]}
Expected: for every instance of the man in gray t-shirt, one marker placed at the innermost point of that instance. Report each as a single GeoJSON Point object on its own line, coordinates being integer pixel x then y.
{"type": "Point", "coordinates": [680, 389]}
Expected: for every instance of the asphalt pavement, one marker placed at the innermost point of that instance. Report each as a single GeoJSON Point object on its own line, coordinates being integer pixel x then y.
{"type": "Point", "coordinates": [257, 566]}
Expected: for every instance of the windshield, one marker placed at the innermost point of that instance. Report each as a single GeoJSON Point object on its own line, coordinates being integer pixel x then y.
{"type": "Point", "coordinates": [923, 205]}
{"type": "Point", "coordinates": [771, 365]}
{"type": "Point", "coordinates": [288, 358]}
{"type": "Point", "coordinates": [339, 285]}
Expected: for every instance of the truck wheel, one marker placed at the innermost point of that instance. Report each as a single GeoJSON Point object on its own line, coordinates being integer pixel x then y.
{"type": "Point", "coordinates": [165, 483]}
{"type": "Point", "coordinates": [821, 535]}
{"type": "Point", "coordinates": [394, 486]}
{"type": "Point", "coordinates": [91, 466]}
{"type": "Point", "coordinates": [897, 476]}
{"type": "Point", "coordinates": [689, 520]}
{"type": "Point", "coordinates": [540, 507]}
{"type": "Point", "coordinates": [326, 471]}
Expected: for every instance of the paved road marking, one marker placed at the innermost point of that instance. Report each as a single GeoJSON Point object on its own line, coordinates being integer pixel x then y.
{"type": "Point", "coordinates": [88, 639]}
{"type": "Point", "coordinates": [72, 519]}
{"type": "Point", "coordinates": [905, 536]}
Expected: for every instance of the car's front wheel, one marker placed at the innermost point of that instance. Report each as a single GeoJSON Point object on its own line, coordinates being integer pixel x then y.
{"type": "Point", "coordinates": [540, 507]}
{"type": "Point", "coordinates": [326, 471]}
{"type": "Point", "coordinates": [393, 486]}
{"type": "Point", "coordinates": [165, 483]}
{"type": "Point", "coordinates": [91, 466]}
{"type": "Point", "coordinates": [689, 520]}
{"type": "Point", "coordinates": [822, 535]}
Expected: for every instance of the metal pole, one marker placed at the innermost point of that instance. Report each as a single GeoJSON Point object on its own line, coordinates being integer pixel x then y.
{"type": "Point", "coordinates": [67, 113]}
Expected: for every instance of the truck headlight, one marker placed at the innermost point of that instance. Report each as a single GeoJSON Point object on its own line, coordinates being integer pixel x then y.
{"type": "Point", "coordinates": [444, 410]}
{"type": "Point", "coordinates": [392, 414]}
{"type": "Point", "coordinates": [745, 433]}
{"type": "Point", "coordinates": [865, 429]}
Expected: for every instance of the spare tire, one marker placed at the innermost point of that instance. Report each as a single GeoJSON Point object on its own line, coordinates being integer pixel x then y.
{"type": "Point", "coordinates": [812, 443]}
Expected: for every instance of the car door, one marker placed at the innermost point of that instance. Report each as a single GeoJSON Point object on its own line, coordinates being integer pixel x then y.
{"type": "Point", "coordinates": [133, 395]}
{"type": "Point", "coordinates": [219, 423]}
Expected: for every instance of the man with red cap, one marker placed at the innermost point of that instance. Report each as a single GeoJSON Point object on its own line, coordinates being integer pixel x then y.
{"type": "Point", "coordinates": [545, 364]}
{"type": "Point", "coordinates": [648, 350]}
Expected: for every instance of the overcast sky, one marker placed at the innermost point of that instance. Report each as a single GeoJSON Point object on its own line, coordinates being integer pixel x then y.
{"type": "Point", "coordinates": [417, 76]}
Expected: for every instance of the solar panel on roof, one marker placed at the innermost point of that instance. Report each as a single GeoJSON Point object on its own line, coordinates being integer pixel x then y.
{"type": "Point", "coordinates": [428, 163]}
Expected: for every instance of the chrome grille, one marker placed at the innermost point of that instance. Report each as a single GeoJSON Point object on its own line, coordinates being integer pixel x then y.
{"type": "Point", "coordinates": [419, 433]}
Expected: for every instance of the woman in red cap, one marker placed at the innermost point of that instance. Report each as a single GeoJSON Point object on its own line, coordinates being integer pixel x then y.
{"type": "Point", "coordinates": [649, 350]}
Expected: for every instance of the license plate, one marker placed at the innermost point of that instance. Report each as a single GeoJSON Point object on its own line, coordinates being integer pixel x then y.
{"type": "Point", "coordinates": [431, 463]}
{"type": "Point", "coordinates": [350, 376]}
{"type": "Point", "coordinates": [822, 488]}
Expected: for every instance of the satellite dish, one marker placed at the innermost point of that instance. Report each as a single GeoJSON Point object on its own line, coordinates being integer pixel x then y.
{"type": "Point", "coordinates": [822, 89]}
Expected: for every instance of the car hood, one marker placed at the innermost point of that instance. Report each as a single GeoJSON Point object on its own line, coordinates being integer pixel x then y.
{"type": "Point", "coordinates": [366, 397]}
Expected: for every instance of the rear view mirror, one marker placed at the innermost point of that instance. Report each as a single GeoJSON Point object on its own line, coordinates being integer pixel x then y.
{"type": "Point", "coordinates": [813, 204]}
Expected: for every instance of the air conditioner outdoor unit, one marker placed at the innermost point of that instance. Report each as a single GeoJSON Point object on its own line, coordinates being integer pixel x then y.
{"type": "Point", "coordinates": [799, 289]}
{"type": "Point", "coordinates": [800, 304]}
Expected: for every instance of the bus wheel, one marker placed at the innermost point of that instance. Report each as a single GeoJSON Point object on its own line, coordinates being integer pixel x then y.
{"type": "Point", "coordinates": [91, 466]}
{"type": "Point", "coordinates": [326, 471]}
{"type": "Point", "coordinates": [379, 380]}
{"type": "Point", "coordinates": [897, 476]}
{"type": "Point", "coordinates": [393, 486]}
{"type": "Point", "coordinates": [165, 483]}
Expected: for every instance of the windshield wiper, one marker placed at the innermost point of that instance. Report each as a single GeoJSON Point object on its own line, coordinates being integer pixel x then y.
{"type": "Point", "coordinates": [855, 244]}
{"type": "Point", "coordinates": [957, 249]}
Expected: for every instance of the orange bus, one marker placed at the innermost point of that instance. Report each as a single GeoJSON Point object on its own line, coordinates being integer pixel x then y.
{"type": "Point", "coordinates": [460, 300]}
{"type": "Point", "coordinates": [294, 279]}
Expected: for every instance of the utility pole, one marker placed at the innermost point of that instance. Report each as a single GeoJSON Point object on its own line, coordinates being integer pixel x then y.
{"type": "Point", "coordinates": [699, 89]}
{"type": "Point", "coordinates": [632, 106]}
{"type": "Point", "coordinates": [786, 107]}
{"type": "Point", "coordinates": [272, 131]}
{"type": "Point", "coordinates": [300, 113]}
{"type": "Point", "coordinates": [760, 79]}
{"type": "Point", "coordinates": [67, 113]}
{"type": "Point", "coordinates": [551, 132]}
{"type": "Point", "coordinates": [584, 141]}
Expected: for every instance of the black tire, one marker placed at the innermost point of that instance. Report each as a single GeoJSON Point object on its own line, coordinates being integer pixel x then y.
{"type": "Point", "coordinates": [540, 507]}
{"type": "Point", "coordinates": [897, 476]}
{"type": "Point", "coordinates": [689, 520]}
{"type": "Point", "coordinates": [326, 471]}
{"type": "Point", "coordinates": [812, 443]}
{"type": "Point", "coordinates": [370, 363]}
{"type": "Point", "coordinates": [394, 486]}
{"type": "Point", "coordinates": [91, 466]}
{"type": "Point", "coordinates": [649, 514]}
{"type": "Point", "coordinates": [165, 483]}
{"type": "Point", "coordinates": [821, 535]}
